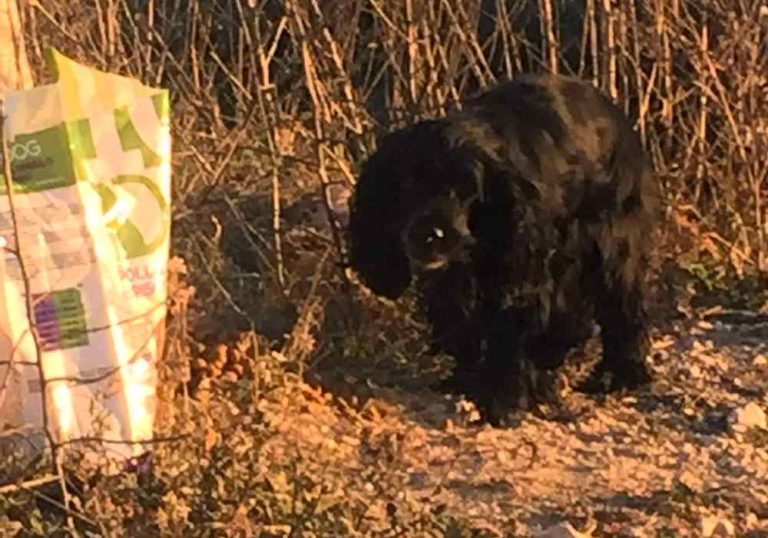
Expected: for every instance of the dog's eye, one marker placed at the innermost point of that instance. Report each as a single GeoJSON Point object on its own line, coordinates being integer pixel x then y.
{"type": "Point", "coordinates": [435, 235]}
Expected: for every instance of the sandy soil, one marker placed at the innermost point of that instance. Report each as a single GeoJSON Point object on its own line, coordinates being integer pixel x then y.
{"type": "Point", "coordinates": [662, 462]}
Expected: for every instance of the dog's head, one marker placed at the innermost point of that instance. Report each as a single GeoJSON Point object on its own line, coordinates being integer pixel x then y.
{"type": "Point", "coordinates": [410, 210]}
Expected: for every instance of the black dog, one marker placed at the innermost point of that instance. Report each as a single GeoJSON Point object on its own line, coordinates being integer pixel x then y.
{"type": "Point", "coordinates": [522, 217]}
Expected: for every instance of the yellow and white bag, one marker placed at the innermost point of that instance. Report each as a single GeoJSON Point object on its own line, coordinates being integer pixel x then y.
{"type": "Point", "coordinates": [90, 157]}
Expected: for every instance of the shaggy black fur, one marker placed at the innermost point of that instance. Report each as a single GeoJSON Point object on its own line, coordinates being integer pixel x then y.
{"type": "Point", "coordinates": [522, 217]}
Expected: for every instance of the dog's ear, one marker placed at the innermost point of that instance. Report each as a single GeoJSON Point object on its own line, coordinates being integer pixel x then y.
{"type": "Point", "coordinates": [381, 263]}
{"type": "Point", "coordinates": [376, 218]}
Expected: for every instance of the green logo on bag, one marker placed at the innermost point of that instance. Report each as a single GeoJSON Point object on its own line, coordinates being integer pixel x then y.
{"type": "Point", "coordinates": [129, 235]}
{"type": "Point", "coordinates": [40, 161]}
{"type": "Point", "coordinates": [130, 138]}
{"type": "Point", "coordinates": [61, 155]}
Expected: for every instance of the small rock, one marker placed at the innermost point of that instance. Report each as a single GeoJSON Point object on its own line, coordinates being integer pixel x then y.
{"type": "Point", "coordinates": [694, 371]}
{"type": "Point", "coordinates": [760, 360]}
{"type": "Point", "coordinates": [750, 416]}
{"type": "Point", "coordinates": [713, 526]}
{"type": "Point", "coordinates": [437, 408]}
{"type": "Point", "coordinates": [564, 530]}
{"type": "Point", "coordinates": [741, 429]}
{"type": "Point", "coordinates": [751, 521]}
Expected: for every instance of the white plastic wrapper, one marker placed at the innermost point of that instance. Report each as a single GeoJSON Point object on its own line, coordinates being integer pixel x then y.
{"type": "Point", "coordinates": [90, 157]}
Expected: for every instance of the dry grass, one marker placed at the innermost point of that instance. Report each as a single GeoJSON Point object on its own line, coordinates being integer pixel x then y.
{"type": "Point", "coordinates": [295, 402]}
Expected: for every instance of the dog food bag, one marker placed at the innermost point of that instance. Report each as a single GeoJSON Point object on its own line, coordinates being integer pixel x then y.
{"type": "Point", "coordinates": [90, 159]}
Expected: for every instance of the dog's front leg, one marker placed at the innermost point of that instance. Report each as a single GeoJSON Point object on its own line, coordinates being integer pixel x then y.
{"type": "Point", "coordinates": [622, 320]}
{"type": "Point", "coordinates": [508, 379]}
{"type": "Point", "coordinates": [457, 330]}
{"type": "Point", "coordinates": [463, 378]}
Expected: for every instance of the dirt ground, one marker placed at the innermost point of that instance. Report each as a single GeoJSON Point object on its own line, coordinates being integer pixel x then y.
{"type": "Point", "coordinates": [675, 460]}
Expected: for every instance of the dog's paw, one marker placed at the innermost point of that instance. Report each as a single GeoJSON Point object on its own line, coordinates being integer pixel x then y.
{"type": "Point", "coordinates": [504, 408]}
{"type": "Point", "coordinates": [499, 413]}
{"type": "Point", "coordinates": [604, 380]}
